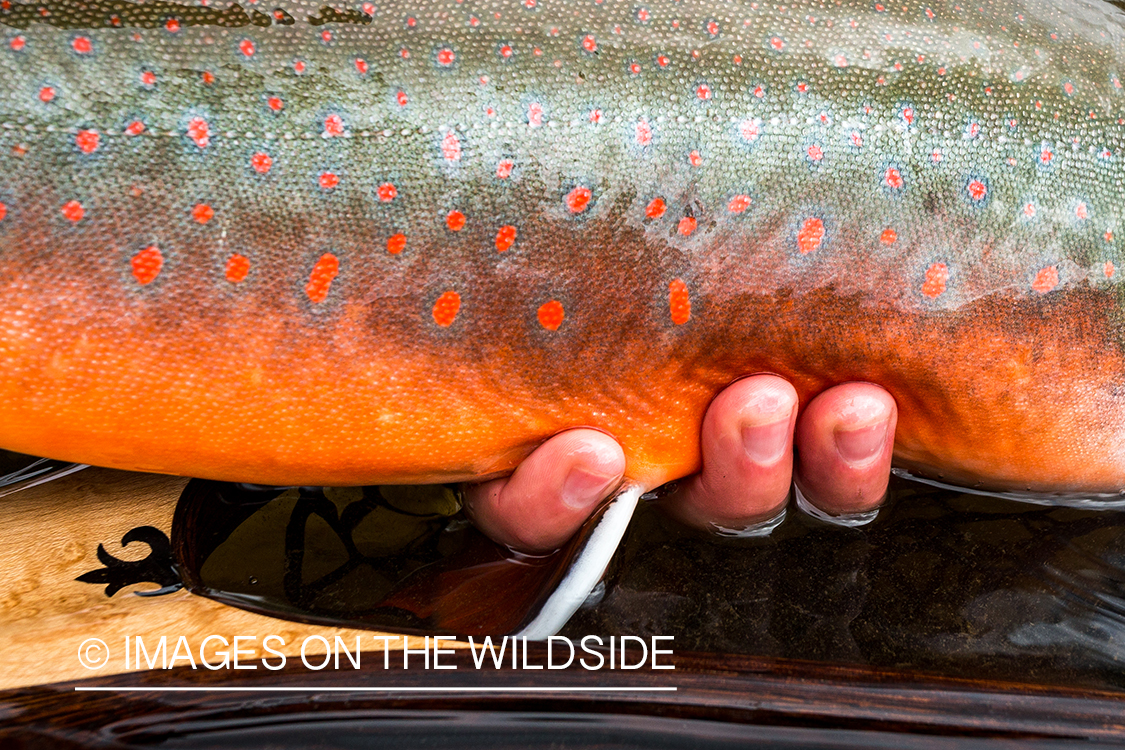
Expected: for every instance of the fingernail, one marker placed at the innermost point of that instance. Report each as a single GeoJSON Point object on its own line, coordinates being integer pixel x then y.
{"type": "Point", "coordinates": [861, 445]}
{"type": "Point", "coordinates": [766, 443]}
{"type": "Point", "coordinates": [582, 489]}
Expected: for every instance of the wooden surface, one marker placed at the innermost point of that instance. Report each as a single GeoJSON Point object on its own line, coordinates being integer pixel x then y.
{"type": "Point", "coordinates": [50, 535]}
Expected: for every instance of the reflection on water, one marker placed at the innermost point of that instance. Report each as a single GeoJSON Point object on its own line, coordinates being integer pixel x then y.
{"type": "Point", "coordinates": [942, 581]}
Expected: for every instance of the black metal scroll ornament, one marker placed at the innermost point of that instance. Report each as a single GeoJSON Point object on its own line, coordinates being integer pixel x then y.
{"type": "Point", "coordinates": [157, 567]}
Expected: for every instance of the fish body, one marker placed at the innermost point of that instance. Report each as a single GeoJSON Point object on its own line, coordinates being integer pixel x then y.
{"type": "Point", "coordinates": [407, 241]}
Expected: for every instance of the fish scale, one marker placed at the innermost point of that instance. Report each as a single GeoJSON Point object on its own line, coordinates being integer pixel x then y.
{"type": "Point", "coordinates": [406, 242]}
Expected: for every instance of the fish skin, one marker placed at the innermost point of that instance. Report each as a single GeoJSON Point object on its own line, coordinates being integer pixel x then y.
{"type": "Point", "coordinates": [845, 192]}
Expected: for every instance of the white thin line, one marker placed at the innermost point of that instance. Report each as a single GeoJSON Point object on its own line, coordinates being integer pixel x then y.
{"type": "Point", "coordinates": [377, 689]}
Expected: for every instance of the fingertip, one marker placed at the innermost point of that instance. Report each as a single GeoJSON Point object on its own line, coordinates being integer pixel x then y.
{"type": "Point", "coordinates": [845, 442]}
{"type": "Point", "coordinates": [551, 493]}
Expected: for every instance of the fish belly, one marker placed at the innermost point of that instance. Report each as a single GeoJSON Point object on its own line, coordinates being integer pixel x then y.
{"type": "Point", "coordinates": [407, 242]}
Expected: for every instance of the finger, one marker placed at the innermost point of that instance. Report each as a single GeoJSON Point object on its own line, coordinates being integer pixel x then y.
{"type": "Point", "coordinates": [747, 444]}
{"type": "Point", "coordinates": [551, 493]}
{"type": "Point", "coordinates": [845, 438]}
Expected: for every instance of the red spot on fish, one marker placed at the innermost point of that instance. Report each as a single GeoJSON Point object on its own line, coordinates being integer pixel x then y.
{"type": "Point", "coordinates": [361, 66]}
{"type": "Point", "coordinates": [1068, 87]}
{"type": "Point", "coordinates": [333, 125]}
{"type": "Point", "coordinates": [892, 178]}
{"type": "Point", "coordinates": [148, 78]}
{"type": "Point", "coordinates": [1108, 269]}
{"type": "Point", "coordinates": [446, 308]}
{"type": "Point", "coordinates": [172, 25]}
{"type": "Point", "coordinates": [662, 61]}
{"type": "Point", "coordinates": [1045, 156]}
{"type": "Point", "coordinates": [750, 129]}
{"type": "Point", "coordinates": [451, 147]}
{"type": "Point", "coordinates": [936, 277]}
{"type": "Point", "coordinates": [777, 43]}
{"type": "Point", "coordinates": [643, 133]}
{"type": "Point", "coordinates": [275, 103]}
{"type": "Point", "coordinates": [535, 114]}
{"type": "Point", "coordinates": [978, 191]}
{"type": "Point", "coordinates": [3, 211]}
{"type": "Point", "coordinates": [504, 169]}
{"type": "Point", "coordinates": [815, 152]}
{"type": "Point", "coordinates": [82, 45]}
{"type": "Point", "coordinates": [46, 94]}
{"type": "Point", "coordinates": [396, 243]}
{"type": "Point", "coordinates": [908, 115]}
{"type": "Point", "coordinates": [238, 266]}
{"type": "Point", "coordinates": [713, 28]}
{"type": "Point", "coordinates": [596, 116]}
{"type": "Point", "coordinates": [656, 208]}
{"type": "Point", "coordinates": [1109, 235]}
{"type": "Point", "coordinates": [199, 131]}
{"type": "Point", "coordinates": [857, 139]}
{"type": "Point", "coordinates": [551, 315]}
{"type": "Point", "coordinates": [320, 280]}
{"type": "Point", "coordinates": [326, 36]}
{"type": "Point", "coordinates": [386, 192]}
{"type": "Point", "coordinates": [505, 51]}
{"type": "Point", "coordinates": [208, 78]}
{"type": "Point", "coordinates": [738, 204]}
{"type": "Point", "coordinates": [87, 141]}
{"type": "Point", "coordinates": [73, 211]}
{"type": "Point", "coordinates": [1029, 210]}
{"type": "Point", "coordinates": [760, 91]}
{"type": "Point", "coordinates": [679, 302]}
{"type": "Point", "coordinates": [811, 235]}
{"type": "Point", "coordinates": [400, 97]}
{"type": "Point", "coordinates": [202, 213]}
{"type": "Point", "coordinates": [261, 162]}
{"type": "Point", "coordinates": [1046, 280]}
{"type": "Point", "coordinates": [328, 180]}
{"type": "Point", "coordinates": [505, 238]}
{"type": "Point", "coordinates": [17, 43]}
{"type": "Point", "coordinates": [694, 158]}
{"type": "Point", "coordinates": [889, 236]}
{"type": "Point", "coordinates": [445, 57]}
{"type": "Point", "coordinates": [686, 226]}
{"type": "Point", "coordinates": [1081, 211]}
{"type": "Point", "coordinates": [299, 66]}
{"type": "Point", "coordinates": [589, 43]}
{"type": "Point", "coordinates": [703, 92]}
{"type": "Point", "coordinates": [455, 220]}
{"type": "Point", "coordinates": [578, 199]}
{"type": "Point", "coordinates": [147, 264]}
{"type": "Point", "coordinates": [246, 47]}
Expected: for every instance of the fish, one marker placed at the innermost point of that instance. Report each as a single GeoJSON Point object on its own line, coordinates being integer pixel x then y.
{"type": "Point", "coordinates": [406, 241]}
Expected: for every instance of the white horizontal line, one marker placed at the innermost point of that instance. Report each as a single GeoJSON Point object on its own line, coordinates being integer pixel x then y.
{"type": "Point", "coordinates": [513, 689]}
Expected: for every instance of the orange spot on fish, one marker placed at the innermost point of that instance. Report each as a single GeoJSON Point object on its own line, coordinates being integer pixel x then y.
{"type": "Point", "coordinates": [578, 199]}
{"type": "Point", "coordinates": [1107, 269]}
{"type": "Point", "coordinates": [328, 180]}
{"type": "Point", "coordinates": [202, 213]}
{"type": "Point", "coordinates": [889, 236]}
{"type": "Point", "coordinates": [504, 169]}
{"type": "Point", "coordinates": [238, 266]}
{"type": "Point", "coordinates": [261, 162]}
{"type": "Point", "coordinates": [695, 159]}
{"type": "Point", "coordinates": [199, 131]}
{"type": "Point", "coordinates": [320, 280]}
{"type": "Point", "coordinates": [892, 178]}
{"type": "Point", "coordinates": [396, 243]}
{"type": "Point", "coordinates": [738, 204]}
{"type": "Point", "coordinates": [1046, 280]}
{"type": "Point", "coordinates": [1081, 211]}
{"type": "Point", "coordinates": [551, 315]}
{"type": "Point", "coordinates": [208, 77]}
{"type": "Point", "coordinates": [679, 302]}
{"type": "Point", "coordinates": [136, 127]}
{"type": "Point", "coordinates": [275, 103]}
{"type": "Point", "coordinates": [505, 238]}
{"type": "Point", "coordinates": [446, 308]}
{"type": "Point", "coordinates": [686, 226]}
{"type": "Point", "coordinates": [386, 192]}
{"type": "Point", "coordinates": [82, 45]}
{"type": "Point", "coordinates": [73, 210]}
{"type": "Point", "coordinates": [656, 208]}
{"type": "Point", "coordinates": [455, 220]}
{"type": "Point", "coordinates": [333, 125]}
{"type": "Point", "coordinates": [936, 277]}
{"type": "Point", "coordinates": [147, 264]}
{"type": "Point", "coordinates": [87, 141]}
{"type": "Point", "coordinates": [811, 235]}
